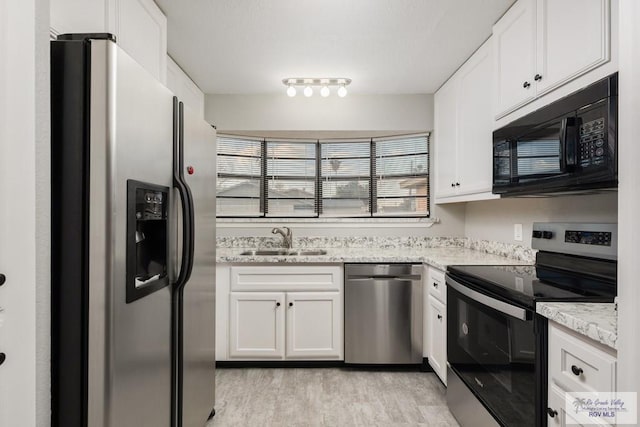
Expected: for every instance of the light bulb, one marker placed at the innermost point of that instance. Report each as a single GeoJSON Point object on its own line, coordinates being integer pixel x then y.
{"type": "Point", "coordinates": [324, 92]}
{"type": "Point", "coordinates": [308, 91]}
{"type": "Point", "coordinates": [342, 91]}
{"type": "Point", "coordinates": [291, 91]}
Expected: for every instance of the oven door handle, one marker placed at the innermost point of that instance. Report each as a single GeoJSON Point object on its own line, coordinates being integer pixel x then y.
{"type": "Point", "coordinates": [501, 306]}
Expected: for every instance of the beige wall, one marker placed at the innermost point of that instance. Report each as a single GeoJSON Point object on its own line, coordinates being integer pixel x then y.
{"type": "Point", "coordinates": [494, 219]}
{"type": "Point", "coordinates": [353, 113]}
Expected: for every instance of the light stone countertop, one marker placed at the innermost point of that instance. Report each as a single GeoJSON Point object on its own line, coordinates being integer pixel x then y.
{"type": "Point", "coordinates": [439, 257]}
{"type": "Point", "coordinates": [598, 321]}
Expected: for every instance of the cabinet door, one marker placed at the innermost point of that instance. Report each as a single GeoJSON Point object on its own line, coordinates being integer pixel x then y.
{"type": "Point", "coordinates": [256, 325]}
{"type": "Point", "coordinates": [573, 38]}
{"type": "Point", "coordinates": [475, 123]}
{"type": "Point", "coordinates": [437, 324]}
{"type": "Point", "coordinates": [141, 30]}
{"type": "Point", "coordinates": [445, 139]}
{"type": "Point", "coordinates": [514, 43]}
{"type": "Point", "coordinates": [314, 325]}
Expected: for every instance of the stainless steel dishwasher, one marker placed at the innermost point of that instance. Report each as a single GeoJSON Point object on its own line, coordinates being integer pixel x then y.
{"type": "Point", "coordinates": [383, 313]}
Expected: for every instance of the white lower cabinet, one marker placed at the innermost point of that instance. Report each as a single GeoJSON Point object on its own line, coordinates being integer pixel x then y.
{"type": "Point", "coordinates": [256, 324]}
{"type": "Point", "coordinates": [577, 364]}
{"type": "Point", "coordinates": [280, 313]}
{"type": "Point", "coordinates": [435, 321]}
{"type": "Point", "coordinates": [314, 329]}
{"type": "Point", "coordinates": [437, 324]}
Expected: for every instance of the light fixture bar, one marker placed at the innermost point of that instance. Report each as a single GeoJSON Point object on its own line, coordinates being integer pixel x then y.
{"type": "Point", "coordinates": [306, 81]}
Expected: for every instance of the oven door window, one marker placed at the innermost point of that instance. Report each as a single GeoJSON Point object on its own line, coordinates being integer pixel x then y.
{"type": "Point", "coordinates": [494, 354]}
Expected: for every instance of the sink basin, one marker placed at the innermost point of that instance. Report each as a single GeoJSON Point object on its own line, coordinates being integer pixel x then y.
{"type": "Point", "coordinates": [289, 252]}
{"type": "Point", "coordinates": [313, 252]}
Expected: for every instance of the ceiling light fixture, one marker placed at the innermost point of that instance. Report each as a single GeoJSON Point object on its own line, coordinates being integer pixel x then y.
{"type": "Point", "coordinates": [342, 91]}
{"type": "Point", "coordinates": [324, 83]}
{"type": "Point", "coordinates": [308, 91]}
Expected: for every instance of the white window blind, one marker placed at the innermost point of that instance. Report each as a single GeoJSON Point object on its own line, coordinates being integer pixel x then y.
{"type": "Point", "coordinates": [386, 177]}
{"type": "Point", "coordinates": [290, 178]}
{"type": "Point", "coordinates": [345, 178]}
{"type": "Point", "coordinates": [401, 176]}
{"type": "Point", "coordinates": [239, 181]}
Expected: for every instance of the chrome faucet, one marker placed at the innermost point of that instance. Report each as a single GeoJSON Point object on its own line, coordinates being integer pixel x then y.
{"type": "Point", "coordinates": [287, 236]}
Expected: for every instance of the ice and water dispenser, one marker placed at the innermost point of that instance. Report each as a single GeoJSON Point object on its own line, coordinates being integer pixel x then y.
{"type": "Point", "coordinates": [147, 238]}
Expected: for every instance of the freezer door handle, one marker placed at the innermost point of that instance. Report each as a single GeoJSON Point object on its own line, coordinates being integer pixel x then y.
{"type": "Point", "coordinates": [186, 199]}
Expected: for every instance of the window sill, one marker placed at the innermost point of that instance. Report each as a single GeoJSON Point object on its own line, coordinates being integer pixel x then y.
{"type": "Point", "coordinates": [325, 222]}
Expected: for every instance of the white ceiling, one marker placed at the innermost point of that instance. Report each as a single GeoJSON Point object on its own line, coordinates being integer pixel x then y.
{"type": "Point", "coordinates": [385, 46]}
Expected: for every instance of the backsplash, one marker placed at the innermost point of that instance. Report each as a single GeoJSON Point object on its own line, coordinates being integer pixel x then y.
{"type": "Point", "coordinates": [497, 248]}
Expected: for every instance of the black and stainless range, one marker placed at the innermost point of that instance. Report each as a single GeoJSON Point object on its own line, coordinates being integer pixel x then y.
{"type": "Point", "coordinates": [497, 344]}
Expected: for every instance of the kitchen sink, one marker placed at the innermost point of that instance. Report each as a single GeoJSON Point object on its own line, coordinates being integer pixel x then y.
{"type": "Point", "coordinates": [290, 252]}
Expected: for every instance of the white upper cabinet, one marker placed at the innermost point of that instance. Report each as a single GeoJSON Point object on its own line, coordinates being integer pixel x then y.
{"type": "Point", "coordinates": [445, 138]}
{"type": "Point", "coordinates": [515, 54]}
{"type": "Point", "coordinates": [540, 45]}
{"type": "Point", "coordinates": [475, 130]}
{"type": "Point", "coordinates": [573, 38]}
{"type": "Point", "coordinates": [141, 30]}
{"type": "Point", "coordinates": [463, 131]}
{"type": "Point", "coordinates": [140, 27]}
{"type": "Point", "coordinates": [184, 88]}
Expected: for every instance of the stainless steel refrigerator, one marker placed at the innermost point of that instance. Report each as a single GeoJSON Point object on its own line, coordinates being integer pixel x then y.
{"type": "Point", "coordinates": [133, 244]}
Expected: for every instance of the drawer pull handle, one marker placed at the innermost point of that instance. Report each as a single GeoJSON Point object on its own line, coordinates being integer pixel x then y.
{"type": "Point", "coordinates": [439, 316]}
{"type": "Point", "coordinates": [552, 412]}
{"type": "Point", "coordinates": [435, 285]}
{"type": "Point", "coordinates": [576, 371]}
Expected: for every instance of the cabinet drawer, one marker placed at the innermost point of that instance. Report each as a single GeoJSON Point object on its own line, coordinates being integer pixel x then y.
{"type": "Point", "coordinates": [436, 284]}
{"type": "Point", "coordinates": [575, 364]}
{"type": "Point", "coordinates": [286, 278]}
{"type": "Point", "coordinates": [562, 418]}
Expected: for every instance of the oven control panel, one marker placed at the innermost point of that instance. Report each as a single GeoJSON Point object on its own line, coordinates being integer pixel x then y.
{"type": "Point", "coordinates": [599, 238]}
{"type": "Point", "coordinates": [592, 143]}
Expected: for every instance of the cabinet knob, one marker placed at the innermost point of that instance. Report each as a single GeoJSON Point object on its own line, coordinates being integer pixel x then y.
{"type": "Point", "coordinates": [277, 304]}
{"type": "Point", "coordinates": [3, 279]}
{"type": "Point", "coordinates": [526, 85]}
{"type": "Point", "coordinates": [552, 412]}
{"type": "Point", "coordinates": [439, 316]}
{"type": "Point", "coordinates": [457, 184]}
{"type": "Point", "coordinates": [537, 77]}
{"type": "Point", "coordinates": [576, 371]}
{"type": "Point", "coordinates": [290, 304]}
{"type": "Point", "coordinates": [435, 285]}
{"type": "Point", "coordinates": [3, 357]}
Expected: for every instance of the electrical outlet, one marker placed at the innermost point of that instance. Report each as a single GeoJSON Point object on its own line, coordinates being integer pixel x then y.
{"type": "Point", "coordinates": [517, 232]}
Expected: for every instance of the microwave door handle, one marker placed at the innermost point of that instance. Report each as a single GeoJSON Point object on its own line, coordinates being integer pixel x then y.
{"type": "Point", "coordinates": [501, 306]}
{"type": "Point", "coordinates": [568, 145]}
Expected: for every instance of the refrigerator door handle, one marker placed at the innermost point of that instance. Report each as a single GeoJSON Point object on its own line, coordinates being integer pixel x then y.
{"type": "Point", "coordinates": [186, 199]}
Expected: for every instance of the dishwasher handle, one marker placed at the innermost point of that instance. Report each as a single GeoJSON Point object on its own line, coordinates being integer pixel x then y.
{"type": "Point", "coordinates": [394, 278]}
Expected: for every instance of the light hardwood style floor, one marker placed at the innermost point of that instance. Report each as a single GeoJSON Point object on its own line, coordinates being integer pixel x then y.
{"type": "Point", "coordinates": [329, 397]}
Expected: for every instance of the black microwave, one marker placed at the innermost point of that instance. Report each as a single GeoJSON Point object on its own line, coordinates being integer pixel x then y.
{"type": "Point", "coordinates": [569, 146]}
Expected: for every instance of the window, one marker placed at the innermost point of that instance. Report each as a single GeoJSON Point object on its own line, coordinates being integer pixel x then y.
{"type": "Point", "coordinates": [290, 179]}
{"type": "Point", "coordinates": [401, 178]}
{"type": "Point", "coordinates": [345, 178]}
{"type": "Point", "coordinates": [239, 176]}
{"type": "Point", "coordinates": [380, 177]}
